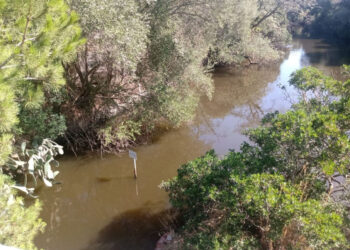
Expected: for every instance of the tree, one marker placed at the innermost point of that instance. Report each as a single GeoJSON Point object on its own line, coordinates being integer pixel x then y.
{"type": "Point", "coordinates": [36, 37]}
{"type": "Point", "coordinates": [321, 19]}
{"type": "Point", "coordinates": [252, 31]}
{"type": "Point", "coordinates": [102, 82]}
{"type": "Point", "coordinates": [146, 63]}
{"type": "Point", "coordinates": [18, 224]}
{"type": "Point", "coordinates": [331, 21]}
{"type": "Point", "coordinates": [309, 143]}
{"type": "Point", "coordinates": [137, 77]}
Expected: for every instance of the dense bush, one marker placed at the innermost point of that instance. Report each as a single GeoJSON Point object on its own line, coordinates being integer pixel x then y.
{"type": "Point", "coordinates": [225, 206]}
{"type": "Point", "coordinates": [144, 63]}
{"type": "Point", "coordinates": [278, 191]}
{"type": "Point", "coordinates": [32, 49]}
{"type": "Point", "coordinates": [148, 62]}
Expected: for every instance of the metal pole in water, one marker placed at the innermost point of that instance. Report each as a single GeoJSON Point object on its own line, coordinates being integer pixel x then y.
{"type": "Point", "coordinates": [135, 169]}
{"type": "Point", "coordinates": [133, 155]}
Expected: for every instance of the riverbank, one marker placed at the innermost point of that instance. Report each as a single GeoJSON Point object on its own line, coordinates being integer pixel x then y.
{"type": "Point", "coordinates": [76, 211]}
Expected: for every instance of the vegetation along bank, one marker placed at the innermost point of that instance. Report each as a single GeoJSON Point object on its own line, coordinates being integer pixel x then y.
{"type": "Point", "coordinates": [106, 75]}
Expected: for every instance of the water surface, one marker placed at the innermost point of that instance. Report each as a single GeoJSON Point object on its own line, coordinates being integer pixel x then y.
{"type": "Point", "coordinates": [99, 205]}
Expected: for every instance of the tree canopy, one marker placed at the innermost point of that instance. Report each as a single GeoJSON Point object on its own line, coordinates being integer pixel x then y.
{"type": "Point", "coordinates": [32, 48]}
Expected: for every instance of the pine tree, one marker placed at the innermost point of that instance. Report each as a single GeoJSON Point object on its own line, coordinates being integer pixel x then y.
{"type": "Point", "coordinates": [18, 224]}
{"type": "Point", "coordinates": [35, 37]}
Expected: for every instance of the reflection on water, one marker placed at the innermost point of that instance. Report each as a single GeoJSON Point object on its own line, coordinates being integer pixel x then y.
{"type": "Point", "coordinates": [99, 204]}
{"type": "Point", "coordinates": [242, 97]}
{"type": "Point", "coordinates": [324, 55]}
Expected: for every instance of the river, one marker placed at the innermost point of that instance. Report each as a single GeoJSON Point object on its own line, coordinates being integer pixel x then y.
{"type": "Point", "coordinates": [99, 205]}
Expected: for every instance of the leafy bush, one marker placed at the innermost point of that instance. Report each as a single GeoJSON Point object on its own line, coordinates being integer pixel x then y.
{"type": "Point", "coordinates": [18, 224]}
{"type": "Point", "coordinates": [148, 62]}
{"type": "Point", "coordinates": [278, 192]}
{"type": "Point", "coordinates": [38, 124]}
{"type": "Point", "coordinates": [35, 163]}
{"type": "Point", "coordinates": [224, 206]}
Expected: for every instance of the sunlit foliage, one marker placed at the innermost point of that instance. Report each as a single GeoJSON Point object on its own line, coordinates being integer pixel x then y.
{"type": "Point", "coordinates": [148, 62]}
{"type": "Point", "coordinates": [278, 192]}
{"type": "Point", "coordinates": [18, 224]}
{"type": "Point", "coordinates": [32, 48]}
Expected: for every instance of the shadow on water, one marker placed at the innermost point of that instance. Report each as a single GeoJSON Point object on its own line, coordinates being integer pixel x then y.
{"type": "Point", "coordinates": [330, 59]}
{"type": "Point", "coordinates": [327, 55]}
{"type": "Point", "coordinates": [138, 229]}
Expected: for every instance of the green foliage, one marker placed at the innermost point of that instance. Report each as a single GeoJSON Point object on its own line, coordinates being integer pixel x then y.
{"type": "Point", "coordinates": [309, 143]}
{"type": "Point", "coordinates": [330, 20]}
{"type": "Point", "coordinates": [114, 28]}
{"type": "Point", "coordinates": [102, 82]}
{"type": "Point", "coordinates": [38, 124]}
{"type": "Point", "coordinates": [33, 46]}
{"type": "Point", "coordinates": [278, 192]}
{"type": "Point", "coordinates": [149, 61]}
{"type": "Point", "coordinates": [8, 110]}
{"type": "Point", "coordinates": [8, 118]}
{"type": "Point", "coordinates": [224, 206]}
{"type": "Point", "coordinates": [178, 77]}
{"type": "Point", "coordinates": [36, 36]}
{"type": "Point", "coordinates": [172, 104]}
{"type": "Point", "coordinates": [249, 30]}
{"type": "Point", "coordinates": [5, 147]}
{"type": "Point", "coordinates": [36, 163]}
{"type": "Point", "coordinates": [137, 68]}
{"type": "Point", "coordinates": [321, 19]}
{"type": "Point", "coordinates": [122, 133]}
{"type": "Point", "coordinates": [18, 224]}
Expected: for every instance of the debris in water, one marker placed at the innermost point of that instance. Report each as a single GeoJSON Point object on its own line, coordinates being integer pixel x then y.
{"type": "Point", "coordinates": [103, 179]}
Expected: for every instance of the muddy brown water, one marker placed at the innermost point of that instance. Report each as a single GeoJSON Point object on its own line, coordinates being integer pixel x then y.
{"type": "Point", "coordinates": [99, 205]}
